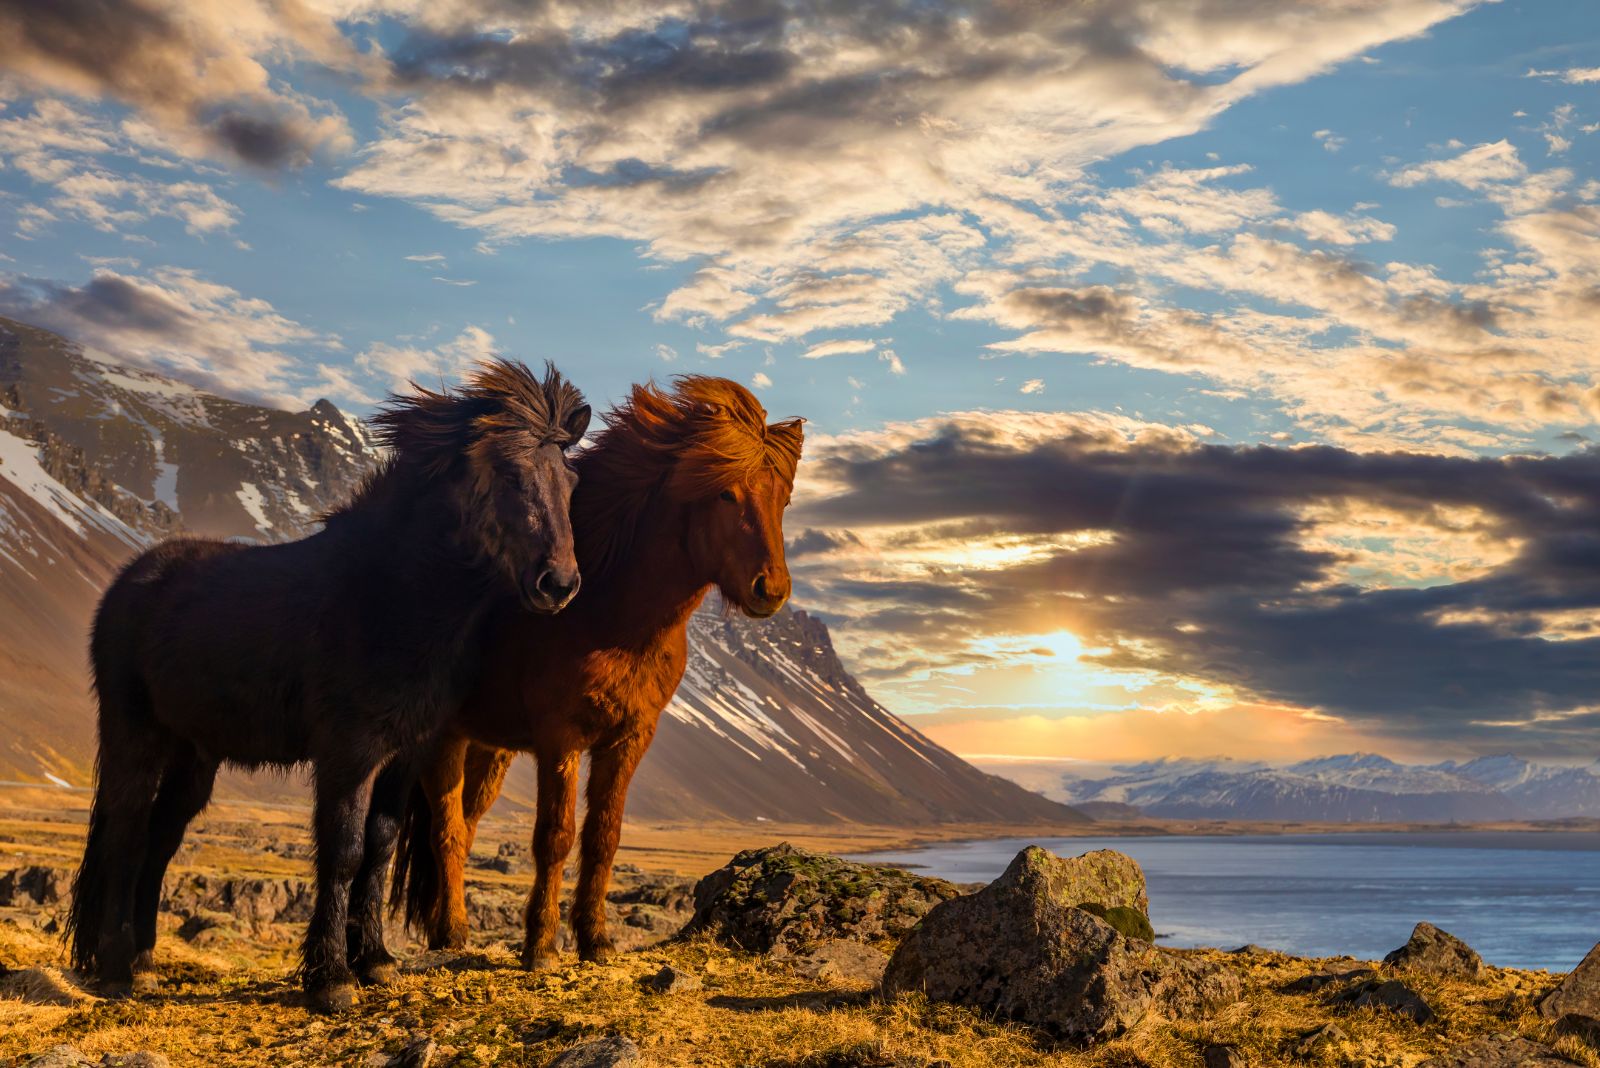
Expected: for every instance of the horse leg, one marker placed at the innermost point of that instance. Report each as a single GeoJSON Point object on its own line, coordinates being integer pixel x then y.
{"type": "Point", "coordinates": [485, 774]}
{"type": "Point", "coordinates": [441, 784]}
{"type": "Point", "coordinates": [185, 790]}
{"type": "Point", "coordinates": [371, 960]}
{"type": "Point", "coordinates": [610, 771]}
{"type": "Point", "coordinates": [344, 793]}
{"type": "Point", "coordinates": [469, 780]}
{"type": "Point", "coordinates": [119, 826]}
{"type": "Point", "coordinates": [552, 841]}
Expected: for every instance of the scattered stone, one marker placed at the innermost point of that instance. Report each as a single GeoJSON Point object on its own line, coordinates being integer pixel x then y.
{"type": "Point", "coordinates": [1574, 1005]}
{"type": "Point", "coordinates": [512, 858]}
{"type": "Point", "coordinates": [670, 980]}
{"type": "Point", "coordinates": [838, 960]}
{"type": "Point", "coordinates": [1223, 1057]}
{"type": "Point", "coordinates": [1391, 995]}
{"type": "Point", "coordinates": [613, 1051]}
{"type": "Point", "coordinates": [35, 884]}
{"type": "Point", "coordinates": [1310, 984]}
{"type": "Point", "coordinates": [142, 1059]}
{"type": "Point", "coordinates": [43, 986]}
{"type": "Point", "coordinates": [1326, 1035]}
{"type": "Point", "coordinates": [1499, 1051]}
{"type": "Point", "coordinates": [62, 1056]}
{"type": "Point", "coordinates": [783, 900]}
{"type": "Point", "coordinates": [420, 1053]}
{"type": "Point", "coordinates": [1019, 950]}
{"type": "Point", "coordinates": [1250, 949]}
{"type": "Point", "coordinates": [1435, 952]}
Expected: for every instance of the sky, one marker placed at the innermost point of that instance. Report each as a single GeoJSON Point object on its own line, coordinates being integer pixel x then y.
{"type": "Point", "coordinates": [1183, 377]}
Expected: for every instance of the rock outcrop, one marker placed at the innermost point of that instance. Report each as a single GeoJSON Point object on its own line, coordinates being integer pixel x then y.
{"type": "Point", "coordinates": [783, 900]}
{"type": "Point", "coordinates": [1020, 949]}
{"type": "Point", "coordinates": [1574, 1005]}
{"type": "Point", "coordinates": [1435, 952]}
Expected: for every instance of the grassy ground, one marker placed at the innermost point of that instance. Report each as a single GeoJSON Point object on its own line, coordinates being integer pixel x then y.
{"type": "Point", "coordinates": [229, 1002]}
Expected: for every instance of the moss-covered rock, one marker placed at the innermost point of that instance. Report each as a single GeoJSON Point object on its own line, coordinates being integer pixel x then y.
{"type": "Point", "coordinates": [1130, 922]}
{"type": "Point", "coordinates": [785, 900]}
{"type": "Point", "coordinates": [1017, 951]}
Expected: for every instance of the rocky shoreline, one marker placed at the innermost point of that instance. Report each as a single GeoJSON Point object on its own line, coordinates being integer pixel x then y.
{"type": "Point", "coordinates": [1059, 951]}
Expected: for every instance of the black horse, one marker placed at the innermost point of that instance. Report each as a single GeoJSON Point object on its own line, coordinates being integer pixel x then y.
{"type": "Point", "coordinates": [346, 649]}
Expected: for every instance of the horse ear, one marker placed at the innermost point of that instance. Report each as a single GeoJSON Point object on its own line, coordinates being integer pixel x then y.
{"type": "Point", "coordinates": [577, 422]}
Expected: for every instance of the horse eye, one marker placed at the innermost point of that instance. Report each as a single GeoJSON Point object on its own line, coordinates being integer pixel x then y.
{"type": "Point", "coordinates": [728, 496]}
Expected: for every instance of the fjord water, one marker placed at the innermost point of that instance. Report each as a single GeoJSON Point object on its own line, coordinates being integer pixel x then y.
{"type": "Point", "coordinates": [1524, 900]}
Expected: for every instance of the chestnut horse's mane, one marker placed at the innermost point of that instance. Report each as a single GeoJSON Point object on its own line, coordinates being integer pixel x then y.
{"type": "Point", "coordinates": [692, 441]}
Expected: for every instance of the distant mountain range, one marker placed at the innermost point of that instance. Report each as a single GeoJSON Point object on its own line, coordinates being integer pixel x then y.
{"type": "Point", "coordinates": [98, 459]}
{"type": "Point", "coordinates": [1353, 788]}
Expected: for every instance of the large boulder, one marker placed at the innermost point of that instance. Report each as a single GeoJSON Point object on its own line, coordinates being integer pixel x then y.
{"type": "Point", "coordinates": [783, 900]}
{"type": "Point", "coordinates": [1574, 1005]}
{"type": "Point", "coordinates": [1435, 952]}
{"type": "Point", "coordinates": [1020, 949]}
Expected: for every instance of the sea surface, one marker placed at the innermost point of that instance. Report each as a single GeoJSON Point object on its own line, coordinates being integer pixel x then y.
{"type": "Point", "coordinates": [1521, 899]}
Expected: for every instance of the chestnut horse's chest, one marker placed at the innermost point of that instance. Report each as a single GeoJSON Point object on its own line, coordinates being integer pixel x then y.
{"type": "Point", "coordinates": [626, 688]}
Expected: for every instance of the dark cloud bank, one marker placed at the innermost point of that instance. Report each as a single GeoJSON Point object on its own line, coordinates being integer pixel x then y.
{"type": "Point", "coordinates": [1210, 574]}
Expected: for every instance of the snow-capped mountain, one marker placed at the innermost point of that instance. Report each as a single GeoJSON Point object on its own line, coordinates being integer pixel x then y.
{"type": "Point", "coordinates": [99, 459]}
{"type": "Point", "coordinates": [1352, 788]}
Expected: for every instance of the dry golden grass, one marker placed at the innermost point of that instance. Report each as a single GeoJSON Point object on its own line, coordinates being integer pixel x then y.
{"type": "Point", "coordinates": [231, 1003]}
{"type": "Point", "coordinates": [236, 1007]}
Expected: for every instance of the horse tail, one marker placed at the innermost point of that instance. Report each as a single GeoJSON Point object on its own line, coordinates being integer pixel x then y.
{"type": "Point", "coordinates": [125, 774]}
{"type": "Point", "coordinates": [416, 885]}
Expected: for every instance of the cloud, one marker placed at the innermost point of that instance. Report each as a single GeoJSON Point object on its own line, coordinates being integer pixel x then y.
{"type": "Point", "coordinates": [1032, 385]}
{"type": "Point", "coordinates": [1571, 75]}
{"type": "Point", "coordinates": [1475, 168]}
{"type": "Point", "coordinates": [666, 353]}
{"type": "Point", "coordinates": [59, 147]}
{"type": "Point", "coordinates": [196, 70]}
{"type": "Point", "coordinates": [759, 380]}
{"type": "Point", "coordinates": [1355, 351]}
{"type": "Point", "coordinates": [842, 347]}
{"type": "Point", "coordinates": [176, 321]}
{"type": "Point", "coordinates": [1465, 589]}
{"type": "Point", "coordinates": [395, 367]}
{"type": "Point", "coordinates": [824, 166]}
{"type": "Point", "coordinates": [427, 257]}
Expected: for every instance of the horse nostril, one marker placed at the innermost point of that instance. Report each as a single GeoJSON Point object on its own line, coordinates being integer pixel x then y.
{"type": "Point", "coordinates": [545, 584]}
{"type": "Point", "coordinates": [760, 588]}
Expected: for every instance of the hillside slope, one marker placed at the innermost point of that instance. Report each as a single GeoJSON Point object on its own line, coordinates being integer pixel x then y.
{"type": "Point", "coordinates": [98, 459]}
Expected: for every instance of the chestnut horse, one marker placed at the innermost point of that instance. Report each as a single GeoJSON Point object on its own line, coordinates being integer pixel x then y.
{"type": "Point", "coordinates": [682, 491]}
{"type": "Point", "coordinates": [346, 649]}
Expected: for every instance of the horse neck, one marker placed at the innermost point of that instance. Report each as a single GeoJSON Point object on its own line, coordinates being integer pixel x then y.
{"type": "Point", "coordinates": [402, 529]}
{"type": "Point", "coordinates": [653, 577]}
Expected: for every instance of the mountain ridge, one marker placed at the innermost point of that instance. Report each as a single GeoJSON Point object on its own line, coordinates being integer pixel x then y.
{"type": "Point", "coordinates": [1350, 788]}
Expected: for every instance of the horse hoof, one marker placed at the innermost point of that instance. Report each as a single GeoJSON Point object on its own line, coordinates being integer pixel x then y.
{"type": "Point", "coordinates": [541, 962]}
{"type": "Point", "coordinates": [598, 954]}
{"type": "Point", "coordinates": [383, 974]}
{"type": "Point", "coordinates": [145, 983]}
{"type": "Point", "coordinates": [341, 997]}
